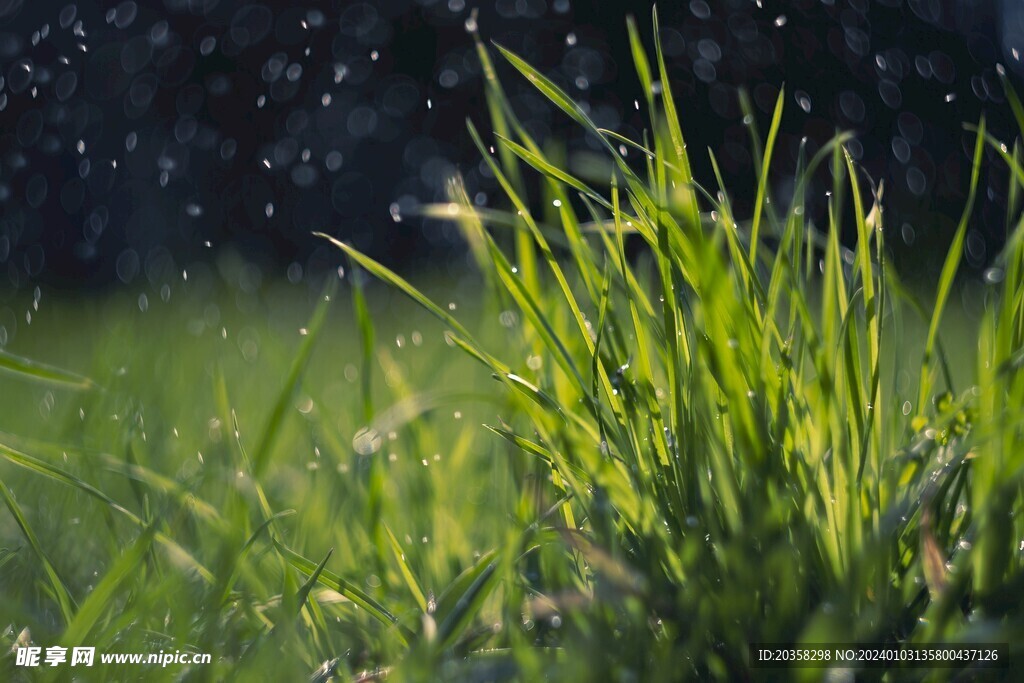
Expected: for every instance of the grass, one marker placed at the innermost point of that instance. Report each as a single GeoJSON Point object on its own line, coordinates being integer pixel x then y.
{"type": "Point", "coordinates": [749, 433]}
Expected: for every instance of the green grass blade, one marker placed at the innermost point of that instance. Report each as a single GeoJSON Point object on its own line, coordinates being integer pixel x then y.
{"type": "Point", "coordinates": [272, 426]}
{"type": "Point", "coordinates": [102, 595]}
{"type": "Point", "coordinates": [45, 469]}
{"type": "Point", "coordinates": [336, 583]}
{"type": "Point", "coordinates": [366, 337]}
{"type": "Point", "coordinates": [640, 63]}
{"type": "Point", "coordinates": [65, 602]}
{"type": "Point", "coordinates": [461, 599]}
{"type": "Point", "coordinates": [390, 277]}
{"type": "Point", "coordinates": [551, 171]}
{"type": "Point", "coordinates": [950, 267]}
{"type": "Point", "coordinates": [236, 563]}
{"type": "Point", "coordinates": [403, 566]}
{"type": "Point", "coordinates": [762, 182]}
{"type": "Point", "coordinates": [40, 372]}
{"type": "Point", "coordinates": [684, 177]}
{"type": "Point", "coordinates": [303, 593]}
{"type": "Point", "coordinates": [1013, 100]}
{"type": "Point", "coordinates": [555, 94]}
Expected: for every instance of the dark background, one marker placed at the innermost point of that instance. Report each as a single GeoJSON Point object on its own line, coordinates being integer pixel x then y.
{"type": "Point", "coordinates": [136, 138]}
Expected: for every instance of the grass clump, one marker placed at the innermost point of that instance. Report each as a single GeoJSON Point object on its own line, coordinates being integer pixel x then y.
{"type": "Point", "coordinates": [747, 445]}
{"type": "Point", "coordinates": [749, 433]}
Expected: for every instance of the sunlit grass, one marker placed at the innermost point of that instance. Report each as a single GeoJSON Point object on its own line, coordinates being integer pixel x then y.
{"type": "Point", "coordinates": [599, 467]}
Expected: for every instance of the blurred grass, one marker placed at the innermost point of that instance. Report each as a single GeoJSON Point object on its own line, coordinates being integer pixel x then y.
{"type": "Point", "coordinates": [155, 438]}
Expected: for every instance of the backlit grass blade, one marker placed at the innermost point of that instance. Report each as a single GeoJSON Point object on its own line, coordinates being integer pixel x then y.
{"type": "Point", "coordinates": [626, 141]}
{"type": "Point", "coordinates": [504, 121]}
{"type": "Point", "coordinates": [336, 583]}
{"type": "Point", "coordinates": [403, 567]}
{"type": "Point", "coordinates": [514, 284]}
{"type": "Point", "coordinates": [40, 372]}
{"type": "Point", "coordinates": [683, 193]}
{"type": "Point", "coordinates": [366, 338]}
{"type": "Point", "coordinates": [64, 600]}
{"type": "Point", "coordinates": [530, 307]}
{"type": "Point", "coordinates": [641, 64]}
{"type": "Point", "coordinates": [303, 593]}
{"type": "Point", "coordinates": [461, 599]}
{"type": "Point", "coordinates": [274, 422]}
{"type": "Point", "coordinates": [552, 459]}
{"type": "Point", "coordinates": [236, 564]}
{"type": "Point", "coordinates": [555, 94]}
{"type": "Point", "coordinates": [950, 267]}
{"type": "Point", "coordinates": [178, 553]}
{"type": "Point", "coordinates": [44, 468]}
{"type": "Point", "coordinates": [762, 181]}
{"type": "Point", "coordinates": [1013, 100]}
{"type": "Point", "coordinates": [389, 276]}
{"type": "Point", "coordinates": [174, 490]}
{"type": "Point", "coordinates": [540, 164]}
{"type": "Point", "coordinates": [101, 597]}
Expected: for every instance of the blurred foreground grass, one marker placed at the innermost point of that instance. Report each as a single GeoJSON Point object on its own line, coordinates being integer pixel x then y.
{"type": "Point", "coordinates": [157, 437]}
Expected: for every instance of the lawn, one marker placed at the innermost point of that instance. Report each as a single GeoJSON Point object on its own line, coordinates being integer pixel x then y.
{"type": "Point", "coordinates": [640, 434]}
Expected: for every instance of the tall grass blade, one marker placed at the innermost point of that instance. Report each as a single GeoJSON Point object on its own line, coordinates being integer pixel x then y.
{"type": "Point", "coordinates": [272, 426]}
{"type": "Point", "coordinates": [950, 267]}
{"type": "Point", "coordinates": [64, 600]}
{"type": "Point", "coordinates": [40, 372]}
